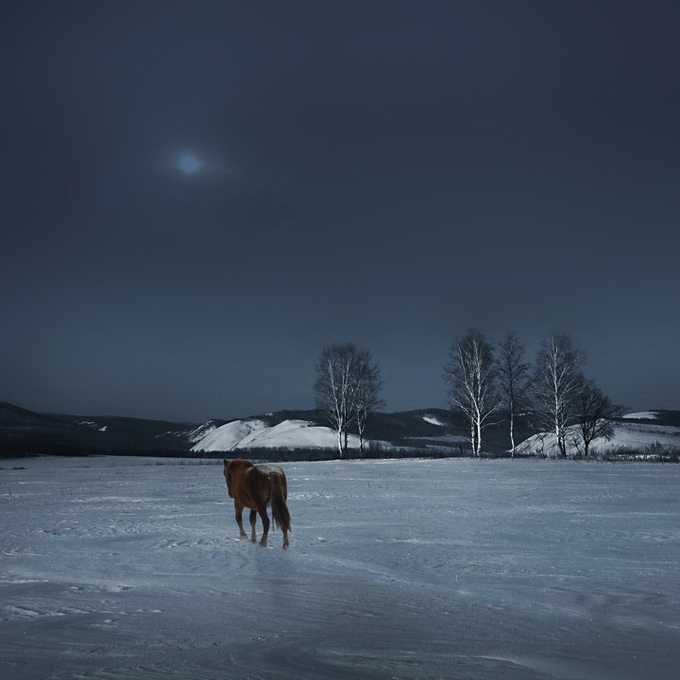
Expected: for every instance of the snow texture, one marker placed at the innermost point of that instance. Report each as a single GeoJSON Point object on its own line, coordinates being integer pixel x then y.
{"type": "Point", "coordinates": [509, 570]}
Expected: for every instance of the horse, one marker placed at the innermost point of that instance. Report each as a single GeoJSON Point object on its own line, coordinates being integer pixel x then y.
{"type": "Point", "coordinates": [258, 487]}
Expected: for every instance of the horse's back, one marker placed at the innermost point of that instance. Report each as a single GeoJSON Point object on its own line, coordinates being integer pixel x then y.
{"type": "Point", "coordinates": [251, 484]}
{"type": "Point", "coordinates": [240, 468]}
{"type": "Point", "coordinates": [269, 469]}
{"type": "Point", "coordinates": [267, 472]}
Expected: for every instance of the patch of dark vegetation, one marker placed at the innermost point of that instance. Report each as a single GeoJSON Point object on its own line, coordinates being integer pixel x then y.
{"type": "Point", "coordinates": [654, 453]}
{"type": "Point", "coordinates": [286, 455]}
{"type": "Point", "coordinates": [36, 449]}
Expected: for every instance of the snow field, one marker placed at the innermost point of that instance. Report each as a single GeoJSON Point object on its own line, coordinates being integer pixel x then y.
{"type": "Point", "coordinates": [127, 568]}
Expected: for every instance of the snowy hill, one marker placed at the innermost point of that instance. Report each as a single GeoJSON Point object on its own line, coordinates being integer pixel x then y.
{"type": "Point", "coordinates": [634, 431]}
{"type": "Point", "coordinates": [288, 434]}
{"type": "Point", "coordinates": [310, 430]}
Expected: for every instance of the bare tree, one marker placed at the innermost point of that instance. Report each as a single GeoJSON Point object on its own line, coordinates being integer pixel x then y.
{"type": "Point", "coordinates": [366, 399]}
{"type": "Point", "coordinates": [513, 379]}
{"type": "Point", "coordinates": [556, 384]}
{"type": "Point", "coordinates": [471, 374]}
{"type": "Point", "coordinates": [346, 386]}
{"type": "Point", "coordinates": [594, 415]}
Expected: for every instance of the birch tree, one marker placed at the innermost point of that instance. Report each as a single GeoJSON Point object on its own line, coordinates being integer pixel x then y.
{"type": "Point", "coordinates": [347, 386]}
{"type": "Point", "coordinates": [513, 380]}
{"type": "Point", "coordinates": [366, 399]}
{"type": "Point", "coordinates": [557, 381]}
{"type": "Point", "coordinates": [471, 375]}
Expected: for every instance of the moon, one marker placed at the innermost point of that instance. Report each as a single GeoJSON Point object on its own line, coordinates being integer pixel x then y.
{"type": "Point", "coordinates": [189, 164]}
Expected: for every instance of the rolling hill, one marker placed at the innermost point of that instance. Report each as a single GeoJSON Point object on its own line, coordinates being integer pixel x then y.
{"type": "Point", "coordinates": [641, 432]}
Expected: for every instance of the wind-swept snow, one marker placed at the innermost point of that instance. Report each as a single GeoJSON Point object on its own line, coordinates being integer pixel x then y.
{"type": "Point", "coordinates": [514, 570]}
{"type": "Point", "coordinates": [433, 420]}
{"type": "Point", "coordinates": [642, 415]}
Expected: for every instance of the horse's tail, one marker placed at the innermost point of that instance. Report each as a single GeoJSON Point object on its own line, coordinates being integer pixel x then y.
{"type": "Point", "coordinates": [279, 508]}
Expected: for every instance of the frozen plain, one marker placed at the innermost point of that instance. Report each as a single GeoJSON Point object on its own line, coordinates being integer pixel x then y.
{"type": "Point", "coordinates": [127, 568]}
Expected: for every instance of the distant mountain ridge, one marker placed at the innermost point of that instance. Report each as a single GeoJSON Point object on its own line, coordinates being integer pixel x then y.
{"type": "Point", "coordinates": [23, 431]}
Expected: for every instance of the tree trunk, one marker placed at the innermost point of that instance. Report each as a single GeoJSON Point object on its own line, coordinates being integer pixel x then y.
{"type": "Point", "coordinates": [512, 434]}
{"type": "Point", "coordinates": [561, 443]}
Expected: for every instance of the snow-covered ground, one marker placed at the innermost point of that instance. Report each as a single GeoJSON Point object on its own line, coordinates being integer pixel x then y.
{"type": "Point", "coordinates": [508, 570]}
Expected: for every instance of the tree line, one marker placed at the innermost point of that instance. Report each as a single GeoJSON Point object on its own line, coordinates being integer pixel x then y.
{"type": "Point", "coordinates": [483, 379]}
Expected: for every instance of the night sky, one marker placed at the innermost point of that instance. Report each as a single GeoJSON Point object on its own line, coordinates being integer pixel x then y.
{"type": "Point", "coordinates": [197, 196]}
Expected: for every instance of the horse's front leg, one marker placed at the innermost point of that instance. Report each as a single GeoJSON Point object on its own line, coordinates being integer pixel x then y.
{"type": "Point", "coordinates": [265, 526]}
{"type": "Point", "coordinates": [253, 520]}
{"type": "Point", "coordinates": [239, 519]}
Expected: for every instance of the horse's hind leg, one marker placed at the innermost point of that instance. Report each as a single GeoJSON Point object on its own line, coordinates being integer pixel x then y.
{"type": "Point", "coordinates": [265, 525]}
{"type": "Point", "coordinates": [253, 520]}
{"type": "Point", "coordinates": [239, 519]}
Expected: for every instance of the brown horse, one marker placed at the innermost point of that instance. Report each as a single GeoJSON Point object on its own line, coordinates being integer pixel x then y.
{"type": "Point", "coordinates": [258, 487]}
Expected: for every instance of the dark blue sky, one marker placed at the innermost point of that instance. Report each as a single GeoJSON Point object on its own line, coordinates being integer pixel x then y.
{"type": "Point", "coordinates": [197, 196]}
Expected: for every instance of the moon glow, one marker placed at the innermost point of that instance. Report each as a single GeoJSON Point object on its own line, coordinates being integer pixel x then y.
{"type": "Point", "coordinates": [189, 164]}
